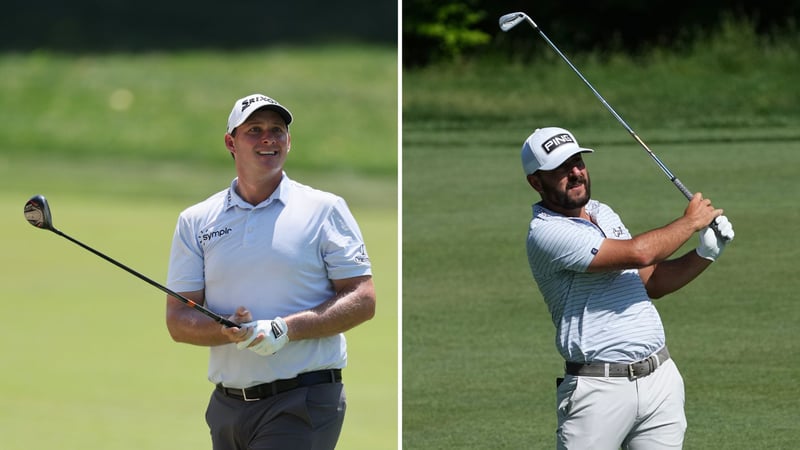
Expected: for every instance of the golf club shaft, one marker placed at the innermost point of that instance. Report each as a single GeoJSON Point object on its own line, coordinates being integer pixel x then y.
{"type": "Point", "coordinates": [686, 192]}
{"type": "Point", "coordinates": [217, 318]}
{"type": "Point", "coordinates": [508, 21]}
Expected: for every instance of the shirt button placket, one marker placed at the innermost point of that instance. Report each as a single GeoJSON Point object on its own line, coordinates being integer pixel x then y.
{"type": "Point", "coordinates": [249, 228]}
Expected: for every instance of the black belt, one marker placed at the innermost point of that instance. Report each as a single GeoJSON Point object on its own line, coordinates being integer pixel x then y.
{"type": "Point", "coordinates": [265, 390]}
{"type": "Point", "coordinates": [633, 371]}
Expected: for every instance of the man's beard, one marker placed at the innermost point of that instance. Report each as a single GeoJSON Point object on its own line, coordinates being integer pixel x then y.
{"type": "Point", "coordinates": [564, 201]}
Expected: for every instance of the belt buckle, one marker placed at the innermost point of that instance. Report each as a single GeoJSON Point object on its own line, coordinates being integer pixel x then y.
{"type": "Point", "coordinates": [652, 365]}
{"type": "Point", "coordinates": [244, 397]}
{"type": "Point", "coordinates": [631, 372]}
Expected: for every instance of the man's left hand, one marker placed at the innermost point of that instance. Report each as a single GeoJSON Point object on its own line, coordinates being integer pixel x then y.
{"type": "Point", "coordinates": [267, 338]}
{"type": "Point", "coordinates": [711, 243]}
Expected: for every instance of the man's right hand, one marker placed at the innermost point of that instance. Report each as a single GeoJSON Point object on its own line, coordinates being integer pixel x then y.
{"type": "Point", "coordinates": [700, 212]}
{"type": "Point", "coordinates": [239, 334]}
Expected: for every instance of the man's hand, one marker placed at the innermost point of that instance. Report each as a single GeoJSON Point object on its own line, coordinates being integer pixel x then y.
{"type": "Point", "coordinates": [267, 337]}
{"type": "Point", "coordinates": [711, 245]}
{"type": "Point", "coordinates": [700, 212]}
{"type": "Point", "coordinates": [240, 333]}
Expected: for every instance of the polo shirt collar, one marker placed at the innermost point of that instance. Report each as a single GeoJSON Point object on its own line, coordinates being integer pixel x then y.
{"type": "Point", "coordinates": [281, 194]}
{"type": "Point", "coordinates": [592, 208]}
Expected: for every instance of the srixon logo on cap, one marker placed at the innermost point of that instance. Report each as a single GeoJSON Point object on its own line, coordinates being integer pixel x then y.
{"type": "Point", "coordinates": [557, 141]}
{"type": "Point", "coordinates": [258, 98]}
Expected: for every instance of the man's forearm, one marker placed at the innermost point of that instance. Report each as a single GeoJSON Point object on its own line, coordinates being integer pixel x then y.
{"type": "Point", "coordinates": [350, 307]}
{"type": "Point", "coordinates": [191, 327]}
{"type": "Point", "coordinates": [671, 275]}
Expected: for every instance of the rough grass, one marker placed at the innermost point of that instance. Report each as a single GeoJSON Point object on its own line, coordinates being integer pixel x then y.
{"type": "Point", "coordinates": [167, 106]}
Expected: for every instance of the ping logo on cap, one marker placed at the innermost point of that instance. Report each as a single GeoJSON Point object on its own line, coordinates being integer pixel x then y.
{"type": "Point", "coordinates": [556, 141]}
{"type": "Point", "coordinates": [258, 98]}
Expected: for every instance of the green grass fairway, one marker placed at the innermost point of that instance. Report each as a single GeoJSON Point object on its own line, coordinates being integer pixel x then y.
{"type": "Point", "coordinates": [87, 355]}
{"type": "Point", "coordinates": [87, 361]}
{"type": "Point", "coordinates": [479, 360]}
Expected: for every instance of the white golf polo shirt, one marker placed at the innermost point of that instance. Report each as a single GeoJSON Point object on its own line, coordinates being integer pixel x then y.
{"type": "Point", "coordinates": [275, 258]}
{"type": "Point", "coordinates": [603, 317]}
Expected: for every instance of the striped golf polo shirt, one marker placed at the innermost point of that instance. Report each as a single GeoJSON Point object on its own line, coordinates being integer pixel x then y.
{"type": "Point", "coordinates": [605, 316]}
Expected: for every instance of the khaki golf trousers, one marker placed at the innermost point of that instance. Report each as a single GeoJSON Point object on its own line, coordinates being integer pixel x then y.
{"type": "Point", "coordinates": [602, 413]}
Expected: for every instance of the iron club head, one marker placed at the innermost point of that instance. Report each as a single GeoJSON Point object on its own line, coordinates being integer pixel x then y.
{"type": "Point", "coordinates": [510, 20]}
{"type": "Point", "coordinates": [37, 213]}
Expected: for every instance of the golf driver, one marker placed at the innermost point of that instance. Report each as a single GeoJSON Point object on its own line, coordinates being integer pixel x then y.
{"type": "Point", "coordinates": [37, 212]}
{"type": "Point", "coordinates": [509, 21]}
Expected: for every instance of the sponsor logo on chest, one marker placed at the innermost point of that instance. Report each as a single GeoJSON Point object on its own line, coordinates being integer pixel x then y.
{"type": "Point", "coordinates": [206, 236]}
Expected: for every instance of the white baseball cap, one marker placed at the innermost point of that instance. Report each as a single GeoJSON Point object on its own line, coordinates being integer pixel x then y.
{"type": "Point", "coordinates": [548, 148]}
{"type": "Point", "coordinates": [248, 105]}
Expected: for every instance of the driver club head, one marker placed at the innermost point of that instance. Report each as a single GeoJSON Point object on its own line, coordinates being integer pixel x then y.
{"type": "Point", "coordinates": [37, 213]}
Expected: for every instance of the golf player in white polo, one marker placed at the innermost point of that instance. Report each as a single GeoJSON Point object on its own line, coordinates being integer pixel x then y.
{"type": "Point", "coordinates": [620, 388]}
{"type": "Point", "coordinates": [289, 264]}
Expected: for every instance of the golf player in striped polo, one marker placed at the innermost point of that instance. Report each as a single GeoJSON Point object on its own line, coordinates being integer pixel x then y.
{"type": "Point", "coordinates": [620, 388]}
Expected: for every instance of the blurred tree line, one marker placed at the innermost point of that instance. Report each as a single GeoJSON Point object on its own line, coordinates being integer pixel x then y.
{"type": "Point", "coordinates": [450, 30]}
{"type": "Point", "coordinates": [122, 25]}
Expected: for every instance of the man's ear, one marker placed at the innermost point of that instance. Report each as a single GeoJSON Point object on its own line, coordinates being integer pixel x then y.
{"type": "Point", "coordinates": [229, 145]}
{"type": "Point", "coordinates": [535, 182]}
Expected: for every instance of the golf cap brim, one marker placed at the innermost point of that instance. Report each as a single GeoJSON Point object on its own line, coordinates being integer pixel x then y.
{"type": "Point", "coordinates": [246, 106]}
{"type": "Point", "coordinates": [547, 148]}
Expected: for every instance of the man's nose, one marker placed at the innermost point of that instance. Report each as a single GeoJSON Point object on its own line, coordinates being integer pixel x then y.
{"type": "Point", "coordinates": [575, 169]}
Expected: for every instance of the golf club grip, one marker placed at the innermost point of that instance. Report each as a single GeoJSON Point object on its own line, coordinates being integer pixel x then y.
{"type": "Point", "coordinates": [686, 192]}
{"type": "Point", "coordinates": [217, 318]}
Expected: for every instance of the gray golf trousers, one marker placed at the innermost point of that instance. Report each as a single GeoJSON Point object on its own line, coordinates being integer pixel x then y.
{"type": "Point", "coordinates": [305, 418]}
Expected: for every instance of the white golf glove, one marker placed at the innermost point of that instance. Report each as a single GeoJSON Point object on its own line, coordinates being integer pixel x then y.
{"type": "Point", "coordinates": [711, 245]}
{"type": "Point", "coordinates": [275, 334]}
